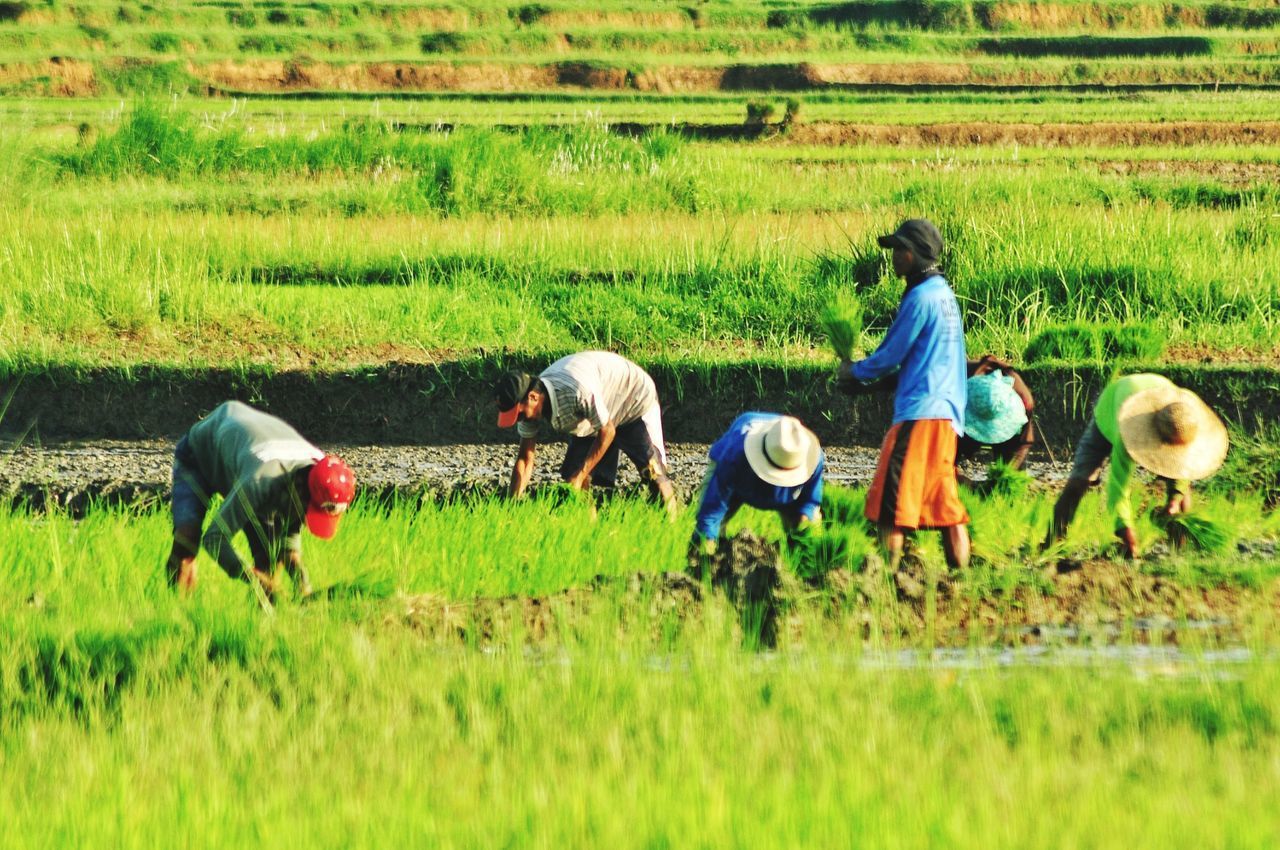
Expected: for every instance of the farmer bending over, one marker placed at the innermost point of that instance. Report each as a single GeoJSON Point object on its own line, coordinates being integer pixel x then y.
{"type": "Point", "coordinates": [1148, 420]}
{"type": "Point", "coordinates": [606, 404]}
{"type": "Point", "coordinates": [270, 478]}
{"type": "Point", "coordinates": [769, 462]}
{"type": "Point", "coordinates": [915, 485]}
{"type": "Point", "coordinates": [998, 410]}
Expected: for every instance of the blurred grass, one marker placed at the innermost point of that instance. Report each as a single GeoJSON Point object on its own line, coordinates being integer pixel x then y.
{"type": "Point", "coordinates": [129, 716]}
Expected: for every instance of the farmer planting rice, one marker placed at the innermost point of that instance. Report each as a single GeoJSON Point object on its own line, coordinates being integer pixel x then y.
{"type": "Point", "coordinates": [271, 480]}
{"type": "Point", "coordinates": [1149, 421]}
{"type": "Point", "coordinates": [998, 410]}
{"type": "Point", "coordinates": [607, 405]}
{"type": "Point", "coordinates": [769, 462]}
{"type": "Point", "coordinates": [915, 485]}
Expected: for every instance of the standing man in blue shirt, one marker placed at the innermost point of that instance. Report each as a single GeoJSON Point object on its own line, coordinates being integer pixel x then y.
{"type": "Point", "coordinates": [915, 485]}
{"type": "Point", "coordinates": [765, 460]}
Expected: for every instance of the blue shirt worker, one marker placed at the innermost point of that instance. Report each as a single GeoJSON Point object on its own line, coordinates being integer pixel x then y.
{"type": "Point", "coordinates": [915, 485]}
{"type": "Point", "coordinates": [768, 461]}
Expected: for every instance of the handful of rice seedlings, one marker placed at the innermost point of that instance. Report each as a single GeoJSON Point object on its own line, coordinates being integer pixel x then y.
{"type": "Point", "coordinates": [843, 508]}
{"type": "Point", "coordinates": [818, 553]}
{"type": "Point", "coordinates": [842, 320]}
{"type": "Point", "coordinates": [1005, 480]}
{"type": "Point", "coordinates": [1198, 532]}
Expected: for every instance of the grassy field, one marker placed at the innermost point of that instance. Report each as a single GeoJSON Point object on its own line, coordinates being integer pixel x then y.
{"type": "Point", "coordinates": [206, 243]}
{"type": "Point", "coordinates": [447, 183]}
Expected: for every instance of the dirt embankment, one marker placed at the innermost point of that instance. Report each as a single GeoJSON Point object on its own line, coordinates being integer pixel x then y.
{"type": "Point", "coordinates": [452, 401]}
{"type": "Point", "coordinates": [73, 78]}
{"type": "Point", "coordinates": [1100, 134]}
{"type": "Point", "coordinates": [1098, 601]}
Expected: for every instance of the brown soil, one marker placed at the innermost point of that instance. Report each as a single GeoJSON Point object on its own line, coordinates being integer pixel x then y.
{"type": "Point", "coordinates": [54, 77]}
{"type": "Point", "coordinates": [73, 78]}
{"type": "Point", "coordinates": [1057, 17]}
{"type": "Point", "coordinates": [1099, 600]}
{"type": "Point", "coordinates": [647, 20]}
{"type": "Point", "coordinates": [1238, 174]}
{"type": "Point", "coordinates": [1116, 134]}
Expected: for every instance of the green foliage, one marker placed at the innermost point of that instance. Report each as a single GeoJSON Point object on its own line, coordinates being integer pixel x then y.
{"type": "Point", "coordinates": [146, 77]}
{"type": "Point", "coordinates": [1098, 46]}
{"type": "Point", "coordinates": [1081, 342]}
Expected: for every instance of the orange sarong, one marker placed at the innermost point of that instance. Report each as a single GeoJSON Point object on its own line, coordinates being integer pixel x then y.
{"type": "Point", "coordinates": [915, 480]}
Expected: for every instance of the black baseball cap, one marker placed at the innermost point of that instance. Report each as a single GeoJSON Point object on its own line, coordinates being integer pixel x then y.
{"type": "Point", "coordinates": [510, 390]}
{"type": "Point", "coordinates": [917, 235]}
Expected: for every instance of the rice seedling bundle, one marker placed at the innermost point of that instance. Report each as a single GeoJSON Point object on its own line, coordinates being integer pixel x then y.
{"type": "Point", "coordinates": [842, 320]}
{"type": "Point", "coordinates": [1006, 480]}
{"type": "Point", "coordinates": [1199, 532]}
{"type": "Point", "coordinates": [819, 552]}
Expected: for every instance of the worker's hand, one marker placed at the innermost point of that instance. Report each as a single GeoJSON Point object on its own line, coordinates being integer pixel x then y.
{"type": "Point", "coordinates": [699, 554]}
{"type": "Point", "coordinates": [1174, 506]}
{"type": "Point", "coordinates": [579, 480]}
{"type": "Point", "coordinates": [1128, 542]}
{"type": "Point", "coordinates": [806, 526]}
{"type": "Point", "coordinates": [268, 583]}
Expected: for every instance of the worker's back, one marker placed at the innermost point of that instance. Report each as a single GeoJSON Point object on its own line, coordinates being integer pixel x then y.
{"type": "Point", "coordinates": [237, 441]}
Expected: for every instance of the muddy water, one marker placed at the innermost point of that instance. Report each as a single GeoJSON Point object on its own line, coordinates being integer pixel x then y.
{"type": "Point", "coordinates": [72, 473]}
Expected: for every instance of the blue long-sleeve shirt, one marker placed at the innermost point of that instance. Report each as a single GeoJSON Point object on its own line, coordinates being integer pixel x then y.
{"type": "Point", "coordinates": [925, 341]}
{"type": "Point", "coordinates": [731, 482]}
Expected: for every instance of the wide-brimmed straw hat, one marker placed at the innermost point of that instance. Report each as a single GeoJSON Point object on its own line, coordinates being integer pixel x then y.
{"type": "Point", "coordinates": [1171, 432]}
{"type": "Point", "coordinates": [993, 411]}
{"type": "Point", "coordinates": [782, 451]}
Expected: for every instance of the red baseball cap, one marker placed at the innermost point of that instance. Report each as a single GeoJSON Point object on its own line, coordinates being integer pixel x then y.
{"type": "Point", "coordinates": [332, 485]}
{"type": "Point", "coordinates": [510, 391]}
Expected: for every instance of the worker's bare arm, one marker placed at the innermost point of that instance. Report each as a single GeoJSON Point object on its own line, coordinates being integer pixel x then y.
{"type": "Point", "coordinates": [297, 572]}
{"type": "Point", "coordinates": [603, 440]}
{"type": "Point", "coordinates": [522, 471]}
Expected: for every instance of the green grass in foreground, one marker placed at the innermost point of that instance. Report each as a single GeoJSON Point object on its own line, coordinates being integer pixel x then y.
{"type": "Point", "coordinates": [130, 718]}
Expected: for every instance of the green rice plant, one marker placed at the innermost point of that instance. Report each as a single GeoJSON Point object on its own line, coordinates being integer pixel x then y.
{"type": "Point", "coordinates": [813, 554]}
{"type": "Point", "coordinates": [1008, 481]}
{"type": "Point", "coordinates": [1252, 466]}
{"type": "Point", "coordinates": [842, 320]}
{"type": "Point", "coordinates": [1071, 343]}
{"type": "Point", "coordinates": [1142, 342]}
{"type": "Point", "coordinates": [844, 508]}
{"type": "Point", "coordinates": [1195, 530]}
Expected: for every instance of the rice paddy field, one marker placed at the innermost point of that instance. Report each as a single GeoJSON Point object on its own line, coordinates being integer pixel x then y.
{"type": "Point", "coordinates": [356, 214]}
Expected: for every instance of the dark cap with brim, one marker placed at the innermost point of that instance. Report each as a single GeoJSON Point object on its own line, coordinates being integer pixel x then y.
{"type": "Point", "coordinates": [917, 235]}
{"type": "Point", "coordinates": [510, 390]}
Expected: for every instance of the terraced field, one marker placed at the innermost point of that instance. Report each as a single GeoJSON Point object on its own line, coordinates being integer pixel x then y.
{"type": "Point", "coordinates": [356, 215]}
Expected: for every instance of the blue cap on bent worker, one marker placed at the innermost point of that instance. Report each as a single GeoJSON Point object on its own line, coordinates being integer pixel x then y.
{"type": "Point", "coordinates": [993, 412]}
{"type": "Point", "coordinates": [917, 235]}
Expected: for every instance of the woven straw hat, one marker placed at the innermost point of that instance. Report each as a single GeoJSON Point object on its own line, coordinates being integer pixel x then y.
{"type": "Point", "coordinates": [781, 451]}
{"type": "Point", "coordinates": [1171, 432]}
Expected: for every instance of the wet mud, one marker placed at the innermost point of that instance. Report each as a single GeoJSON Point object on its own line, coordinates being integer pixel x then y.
{"type": "Point", "coordinates": [1099, 602]}
{"type": "Point", "coordinates": [76, 475]}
